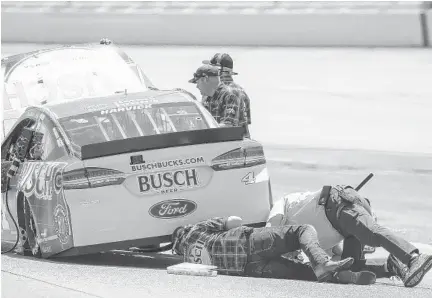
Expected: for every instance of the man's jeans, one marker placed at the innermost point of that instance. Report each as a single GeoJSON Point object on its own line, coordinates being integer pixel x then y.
{"type": "Point", "coordinates": [267, 245]}
{"type": "Point", "coordinates": [354, 220]}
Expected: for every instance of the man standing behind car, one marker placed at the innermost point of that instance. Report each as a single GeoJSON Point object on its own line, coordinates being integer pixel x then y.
{"type": "Point", "coordinates": [226, 64]}
{"type": "Point", "coordinates": [224, 102]}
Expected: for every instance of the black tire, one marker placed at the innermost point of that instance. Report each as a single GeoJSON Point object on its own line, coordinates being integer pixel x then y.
{"type": "Point", "coordinates": [31, 231]}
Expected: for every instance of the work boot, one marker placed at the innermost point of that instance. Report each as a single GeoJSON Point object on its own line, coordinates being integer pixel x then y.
{"type": "Point", "coordinates": [413, 274]}
{"type": "Point", "coordinates": [417, 269]}
{"type": "Point", "coordinates": [356, 278]}
{"type": "Point", "coordinates": [396, 268]}
{"type": "Point", "coordinates": [324, 272]}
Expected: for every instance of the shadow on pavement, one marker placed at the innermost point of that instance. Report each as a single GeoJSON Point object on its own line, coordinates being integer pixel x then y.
{"type": "Point", "coordinates": [115, 258]}
{"type": "Point", "coordinates": [124, 259]}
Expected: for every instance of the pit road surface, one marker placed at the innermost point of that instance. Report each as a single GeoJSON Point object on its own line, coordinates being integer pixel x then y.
{"type": "Point", "coordinates": [325, 116]}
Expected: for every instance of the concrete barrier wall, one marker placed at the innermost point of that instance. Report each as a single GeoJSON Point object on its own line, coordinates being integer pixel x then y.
{"type": "Point", "coordinates": [317, 29]}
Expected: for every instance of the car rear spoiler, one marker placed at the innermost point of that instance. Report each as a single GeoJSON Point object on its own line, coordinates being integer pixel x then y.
{"type": "Point", "coordinates": [176, 139]}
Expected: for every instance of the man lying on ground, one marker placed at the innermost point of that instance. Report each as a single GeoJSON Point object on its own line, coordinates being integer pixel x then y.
{"type": "Point", "coordinates": [240, 250]}
{"type": "Point", "coordinates": [341, 213]}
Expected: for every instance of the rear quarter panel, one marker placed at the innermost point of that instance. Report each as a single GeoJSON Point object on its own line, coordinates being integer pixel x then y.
{"type": "Point", "coordinates": [41, 185]}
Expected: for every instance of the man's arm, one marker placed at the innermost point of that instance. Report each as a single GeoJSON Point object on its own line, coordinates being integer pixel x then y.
{"type": "Point", "coordinates": [217, 224]}
{"type": "Point", "coordinates": [230, 105]}
{"type": "Point", "coordinates": [277, 213]}
{"type": "Point", "coordinates": [242, 93]}
{"type": "Point", "coordinates": [248, 109]}
{"type": "Point", "coordinates": [213, 224]}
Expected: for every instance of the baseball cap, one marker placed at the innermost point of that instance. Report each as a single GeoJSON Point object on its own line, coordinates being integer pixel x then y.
{"type": "Point", "coordinates": [222, 60]}
{"type": "Point", "coordinates": [205, 71]}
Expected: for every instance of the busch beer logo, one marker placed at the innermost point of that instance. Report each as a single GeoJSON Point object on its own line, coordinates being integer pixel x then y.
{"type": "Point", "coordinates": [43, 180]}
{"type": "Point", "coordinates": [167, 182]}
{"type": "Point", "coordinates": [172, 208]}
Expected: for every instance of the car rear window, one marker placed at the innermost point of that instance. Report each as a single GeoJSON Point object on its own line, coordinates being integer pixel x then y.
{"type": "Point", "coordinates": [133, 121]}
{"type": "Point", "coordinates": [67, 74]}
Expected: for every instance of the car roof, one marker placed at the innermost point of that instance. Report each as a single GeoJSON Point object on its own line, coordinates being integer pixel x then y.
{"type": "Point", "coordinates": [9, 63]}
{"type": "Point", "coordinates": [86, 105]}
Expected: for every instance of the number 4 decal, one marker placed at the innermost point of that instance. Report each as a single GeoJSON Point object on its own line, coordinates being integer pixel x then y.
{"type": "Point", "coordinates": [249, 178]}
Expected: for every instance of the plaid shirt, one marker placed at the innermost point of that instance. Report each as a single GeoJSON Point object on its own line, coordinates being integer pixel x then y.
{"type": "Point", "coordinates": [208, 242]}
{"type": "Point", "coordinates": [227, 106]}
{"type": "Point", "coordinates": [227, 79]}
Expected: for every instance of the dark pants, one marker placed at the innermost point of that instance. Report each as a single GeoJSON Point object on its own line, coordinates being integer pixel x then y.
{"type": "Point", "coordinates": [267, 245]}
{"type": "Point", "coordinates": [354, 220]}
{"type": "Point", "coordinates": [353, 248]}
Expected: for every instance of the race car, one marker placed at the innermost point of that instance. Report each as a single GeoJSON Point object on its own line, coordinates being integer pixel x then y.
{"type": "Point", "coordinates": [66, 73]}
{"type": "Point", "coordinates": [115, 172]}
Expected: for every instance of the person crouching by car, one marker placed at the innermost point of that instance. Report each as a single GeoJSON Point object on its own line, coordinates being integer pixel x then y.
{"type": "Point", "coordinates": [257, 252]}
{"type": "Point", "coordinates": [224, 103]}
{"type": "Point", "coordinates": [341, 213]}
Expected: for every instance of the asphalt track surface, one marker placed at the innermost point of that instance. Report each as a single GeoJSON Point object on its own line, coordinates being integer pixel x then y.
{"type": "Point", "coordinates": [326, 116]}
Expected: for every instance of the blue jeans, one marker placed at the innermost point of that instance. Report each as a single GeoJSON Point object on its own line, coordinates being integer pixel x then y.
{"type": "Point", "coordinates": [356, 220]}
{"type": "Point", "coordinates": [267, 245]}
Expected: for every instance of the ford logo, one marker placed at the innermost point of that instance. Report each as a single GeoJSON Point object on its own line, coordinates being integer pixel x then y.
{"type": "Point", "coordinates": [172, 208]}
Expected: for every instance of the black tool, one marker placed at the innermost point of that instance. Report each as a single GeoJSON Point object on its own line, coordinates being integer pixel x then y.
{"type": "Point", "coordinates": [369, 177]}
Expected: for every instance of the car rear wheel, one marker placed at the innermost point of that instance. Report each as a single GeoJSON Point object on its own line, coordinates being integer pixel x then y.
{"type": "Point", "coordinates": [30, 227]}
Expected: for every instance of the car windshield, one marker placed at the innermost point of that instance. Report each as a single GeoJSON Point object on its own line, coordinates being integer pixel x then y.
{"type": "Point", "coordinates": [133, 121]}
{"type": "Point", "coordinates": [67, 74]}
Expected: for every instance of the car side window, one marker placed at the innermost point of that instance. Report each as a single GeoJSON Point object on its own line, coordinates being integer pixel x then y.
{"type": "Point", "coordinates": [46, 144]}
